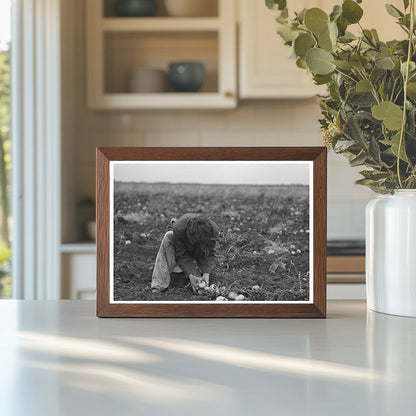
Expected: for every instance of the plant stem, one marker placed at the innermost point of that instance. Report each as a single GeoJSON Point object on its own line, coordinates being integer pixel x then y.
{"type": "Point", "coordinates": [373, 88]}
{"type": "Point", "coordinates": [392, 91]}
{"type": "Point", "coordinates": [346, 75]}
{"type": "Point", "coordinates": [406, 80]}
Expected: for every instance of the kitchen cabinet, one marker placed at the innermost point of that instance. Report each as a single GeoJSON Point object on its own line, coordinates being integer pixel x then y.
{"type": "Point", "coordinates": [346, 275]}
{"type": "Point", "coordinates": [118, 45]}
{"type": "Point", "coordinates": [78, 263]}
{"type": "Point", "coordinates": [265, 70]}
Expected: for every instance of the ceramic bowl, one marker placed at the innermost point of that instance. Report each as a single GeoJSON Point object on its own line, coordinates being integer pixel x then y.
{"type": "Point", "coordinates": [135, 8]}
{"type": "Point", "coordinates": [186, 76]}
{"type": "Point", "coordinates": [147, 80]}
{"type": "Point", "coordinates": [191, 8]}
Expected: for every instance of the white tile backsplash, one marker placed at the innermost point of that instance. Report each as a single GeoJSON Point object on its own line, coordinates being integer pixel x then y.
{"type": "Point", "coordinates": [216, 120]}
{"type": "Point", "coordinates": [147, 120]}
{"type": "Point", "coordinates": [257, 123]}
{"type": "Point", "coordinates": [233, 138]}
{"type": "Point", "coordinates": [174, 138]}
{"type": "Point", "coordinates": [346, 219]}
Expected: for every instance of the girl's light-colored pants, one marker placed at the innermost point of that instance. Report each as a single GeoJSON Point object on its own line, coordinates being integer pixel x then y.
{"type": "Point", "coordinates": [165, 263]}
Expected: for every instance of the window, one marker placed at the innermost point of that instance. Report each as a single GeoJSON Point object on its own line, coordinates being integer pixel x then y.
{"type": "Point", "coordinates": [5, 147]}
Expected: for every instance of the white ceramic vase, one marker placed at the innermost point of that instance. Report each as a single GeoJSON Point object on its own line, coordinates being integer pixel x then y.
{"type": "Point", "coordinates": [391, 253]}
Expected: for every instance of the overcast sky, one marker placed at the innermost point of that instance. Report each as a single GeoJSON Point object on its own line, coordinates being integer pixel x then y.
{"type": "Point", "coordinates": [240, 173]}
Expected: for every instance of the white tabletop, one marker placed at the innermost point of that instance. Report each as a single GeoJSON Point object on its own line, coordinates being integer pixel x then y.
{"type": "Point", "coordinates": [57, 358]}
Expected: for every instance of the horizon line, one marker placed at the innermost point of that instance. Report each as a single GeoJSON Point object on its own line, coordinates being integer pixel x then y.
{"type": "Point", "coordinates": [210, 184]}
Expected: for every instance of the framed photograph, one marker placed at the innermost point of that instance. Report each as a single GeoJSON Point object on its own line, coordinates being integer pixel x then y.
{"type": "Point", "coordinates": [211, 232]}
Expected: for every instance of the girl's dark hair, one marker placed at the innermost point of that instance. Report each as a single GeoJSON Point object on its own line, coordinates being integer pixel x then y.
{"type": "Point", "coordinates": [203, 232]}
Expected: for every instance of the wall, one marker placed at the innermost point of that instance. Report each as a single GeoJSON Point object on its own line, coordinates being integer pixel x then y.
{"type": "Point", "coordinates": [253, 123]}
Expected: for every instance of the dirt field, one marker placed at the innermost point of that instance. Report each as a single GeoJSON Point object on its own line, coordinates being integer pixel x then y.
{"type": "Point", "coordinates": [264, 239]}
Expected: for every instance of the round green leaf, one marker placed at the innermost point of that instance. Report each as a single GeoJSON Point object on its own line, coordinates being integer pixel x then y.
{"type": "Point", "coordinates": [358, 61]}
{"type": "Point", "coordinates": [384, 62]}
{"type": "Point", "coordinates": [336, 12]}
{"type": "Point", "coordinates": [322, 79]}
{"type": "Point", "coordinates": [301, 63]}
{"type": "Point", "coordinates": [276, 4]}
{"type": "Point", "coordinates": [301, 15]}
{"type": "Point", "coordinates": [363, 86]}
{"type": "Point", "coordinates": [411, 90]}
{"type": "Point", "coordinates": [328, 38]}
{"type": "Point", "coordinates": [316, 20]}
{"type": "Point", "coordinates": [344, 65]}
{"type": "Point", "coordinates": [303, 43]}
{"type": "Point", "coordinates": [351, 11]}
{"type": "Point", "coordinates": [325, 42]}
{"type": "Point", "coordinates": [342, 25]}
{"type": "Point", "coordinates": [391, 114]}
{"type": "Point", "coordinates": [394, 144]}
{"type": "Point", "coordinates": [412, 67]}
{"type": "Point", "coordinates": [333, 32]}
{"type": "Point", "coordinates": [347, 37]}
{"type": "Point", "coordinates": [319, 61]}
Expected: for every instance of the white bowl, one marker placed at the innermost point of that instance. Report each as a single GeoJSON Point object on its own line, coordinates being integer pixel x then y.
{"type": "Point", "coordinates": [191, 8]}
{"type": "Point", "coordinates": [147, 80]}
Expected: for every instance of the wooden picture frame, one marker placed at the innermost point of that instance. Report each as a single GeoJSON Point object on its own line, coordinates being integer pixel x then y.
{"type": "Point", "coordinates": [315, 157]}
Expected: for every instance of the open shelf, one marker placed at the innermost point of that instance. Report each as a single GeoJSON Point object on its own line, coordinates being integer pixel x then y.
{"type": "Point", "coordinates": [87, 247]}
{"type": "Point", "coordinates": [160, 24]}
{"type": "Point", "coordinates": [119, 45]}
{"type": "Point", "coordinates": [210, 7]}
{"type": "Point", "coordinates": [126, 51]}
{"type": "Point", "coordinates": [167, 100]}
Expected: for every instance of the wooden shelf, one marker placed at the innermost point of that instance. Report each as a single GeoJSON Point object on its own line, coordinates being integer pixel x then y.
{"type": "Point", "coordinates": [346, 264]}
{"type": "Point", "coordinates": [160, 24]}
{"type": "Point", "coordinates": [87, 247]}
{"type": "Point", "coordinates": [346, 269]}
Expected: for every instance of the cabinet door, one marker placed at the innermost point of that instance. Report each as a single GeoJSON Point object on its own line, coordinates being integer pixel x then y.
{"type": "Point", "coordinates": [78, 276]}
{"type": "Point", "coordinates": [265, 68]}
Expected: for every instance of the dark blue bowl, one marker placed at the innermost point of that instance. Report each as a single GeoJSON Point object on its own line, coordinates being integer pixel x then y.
{"type": "Point", "coordinates": [135, 8]}
{"type": "Point", "coordinates": [186, 76]}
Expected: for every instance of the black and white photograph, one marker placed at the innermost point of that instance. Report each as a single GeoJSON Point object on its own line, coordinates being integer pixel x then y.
{"type": "Point", "coordinates": [212, 231]}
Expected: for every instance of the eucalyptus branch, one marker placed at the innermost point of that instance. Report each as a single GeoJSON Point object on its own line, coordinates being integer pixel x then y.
{"type": "Point", "coordinates": [357, 47]}
{"type": "Point", "coordinates": [369, 40]}
{"type": "Point", "coordinates": [371, 64]}
{"type": "Point", "coordinates": [404, 28]}
{"type": "Point", "coordinates": [406, 80]}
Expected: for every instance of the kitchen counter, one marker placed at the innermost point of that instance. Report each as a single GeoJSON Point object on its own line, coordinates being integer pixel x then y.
{"type": "Point", "coordinates": [57, 358]}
